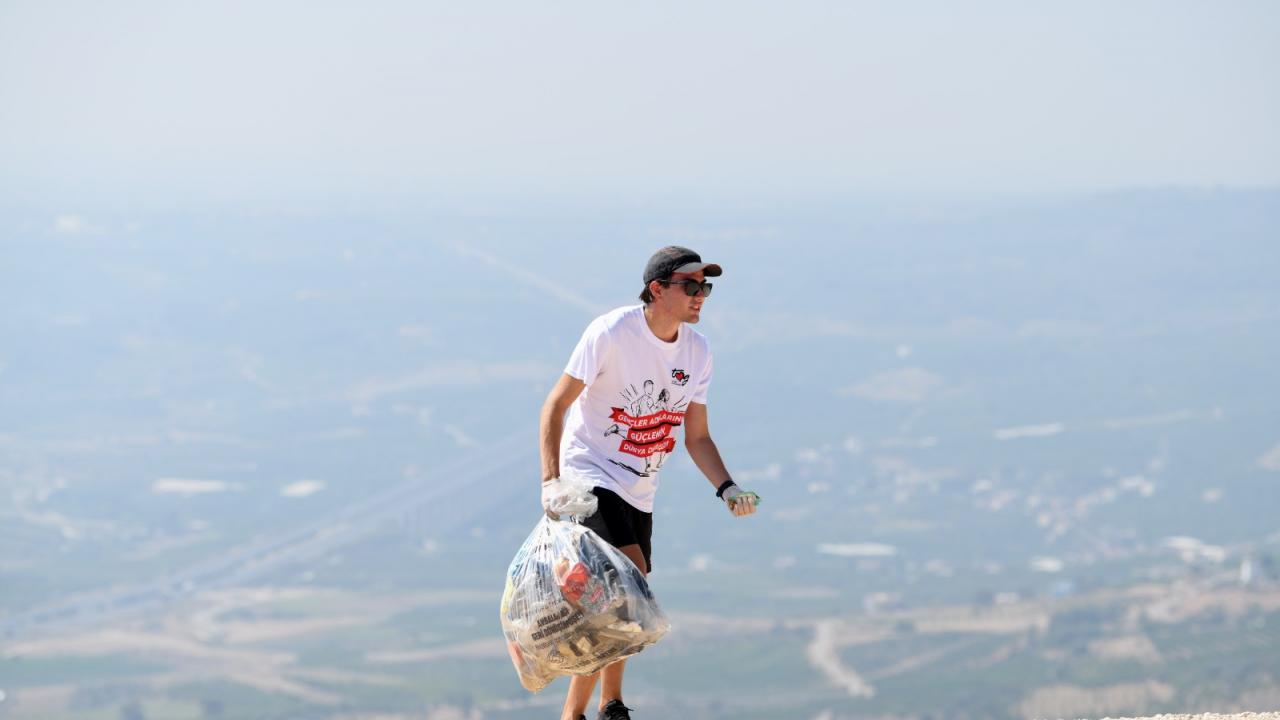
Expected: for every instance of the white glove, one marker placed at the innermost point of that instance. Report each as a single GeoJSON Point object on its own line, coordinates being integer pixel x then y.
{"type": "Point", "coordinates": [740, 502]}
{"type": "Point", "coordinates": [550, 488]}
{"type": "Point", "coordinates": [568, 496]}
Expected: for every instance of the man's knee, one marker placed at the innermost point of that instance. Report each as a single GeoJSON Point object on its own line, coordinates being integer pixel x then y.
{"type": "Point", "coordinates": [636, 555]}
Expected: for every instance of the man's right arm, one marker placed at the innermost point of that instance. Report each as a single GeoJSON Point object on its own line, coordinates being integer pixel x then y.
{"type": "Point", "coordinates": [551, 425]}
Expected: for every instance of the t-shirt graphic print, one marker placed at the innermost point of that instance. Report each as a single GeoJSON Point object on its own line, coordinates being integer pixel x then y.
{"type": "Point", "coordinates": [645, 425]}
{"type": "Point", "coordinates": [622, 427]}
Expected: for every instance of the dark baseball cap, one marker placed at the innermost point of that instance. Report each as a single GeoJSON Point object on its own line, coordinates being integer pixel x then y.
{"type": "Point", "coordinates": [676, 259]}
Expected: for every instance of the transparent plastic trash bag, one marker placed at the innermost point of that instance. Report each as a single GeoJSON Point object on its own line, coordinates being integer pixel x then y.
{"type": "Point", "coordinates": [573, 604]}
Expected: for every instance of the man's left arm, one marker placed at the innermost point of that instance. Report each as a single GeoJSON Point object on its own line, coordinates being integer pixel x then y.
{"type": "Point", "coordinates": [697, 439]}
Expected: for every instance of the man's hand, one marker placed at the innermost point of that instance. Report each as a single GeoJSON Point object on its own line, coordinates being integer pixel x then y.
{"type": "Point", "coordinates": [549, 484]}
{"type": "Point", "coordinates": [569, 496]}
{"type": "Point", "coordinates": [741, 503]}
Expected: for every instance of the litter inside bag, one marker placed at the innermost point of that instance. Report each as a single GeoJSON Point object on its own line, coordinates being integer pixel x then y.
{"type": "Point", "coordinates": [573, 604]}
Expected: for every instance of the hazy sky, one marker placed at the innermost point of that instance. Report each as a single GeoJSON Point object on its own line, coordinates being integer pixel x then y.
{"type": "Point", "coordinates": [234, 101]}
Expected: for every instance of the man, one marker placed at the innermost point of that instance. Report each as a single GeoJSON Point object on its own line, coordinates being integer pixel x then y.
{"type": "Point", "coordinates": [637, 374]}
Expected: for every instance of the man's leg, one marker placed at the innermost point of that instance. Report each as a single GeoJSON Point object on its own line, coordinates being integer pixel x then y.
{"type": "Point", "coordinates": [611, 688]}
{"type": "Point", "coordinates": [581, 686]}
{"type": "Point", "coordinates": [575, 703]}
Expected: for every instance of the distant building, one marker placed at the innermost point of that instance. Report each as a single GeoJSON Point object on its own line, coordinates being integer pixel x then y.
{"type": "Point", "coordinates": [1246, 571]}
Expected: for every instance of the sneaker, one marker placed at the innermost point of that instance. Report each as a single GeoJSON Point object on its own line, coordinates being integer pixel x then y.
{"type": "Point", "coordinates": [614, 710]}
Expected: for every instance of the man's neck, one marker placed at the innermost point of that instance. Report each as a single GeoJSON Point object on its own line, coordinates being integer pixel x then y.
{"type": "Point", "coordinates": [665, 327]}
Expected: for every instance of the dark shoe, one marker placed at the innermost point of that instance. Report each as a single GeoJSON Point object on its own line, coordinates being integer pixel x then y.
{"type": "Point", "coordinates": [615, 710]}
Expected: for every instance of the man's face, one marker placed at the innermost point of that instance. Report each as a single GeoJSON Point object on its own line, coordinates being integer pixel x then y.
{"type": "Point", "coordinates": [676, 302]}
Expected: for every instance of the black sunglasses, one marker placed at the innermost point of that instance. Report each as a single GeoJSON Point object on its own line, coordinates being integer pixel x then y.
{"type": "Point", "coordinates": [692, 287]}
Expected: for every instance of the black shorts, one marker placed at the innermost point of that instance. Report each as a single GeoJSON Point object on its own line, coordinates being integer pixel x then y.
{"type": "Point", "coordinates": [620, 524]}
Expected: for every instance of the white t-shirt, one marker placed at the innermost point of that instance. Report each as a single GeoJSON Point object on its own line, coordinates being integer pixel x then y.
{"type": "Point", "coordinates": [622, 427]}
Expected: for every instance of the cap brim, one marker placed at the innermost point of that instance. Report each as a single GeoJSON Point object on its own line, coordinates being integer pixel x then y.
{"type": "Point", "coordinates": [708, 269]}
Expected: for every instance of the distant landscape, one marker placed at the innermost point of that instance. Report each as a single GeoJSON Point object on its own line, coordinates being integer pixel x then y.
{"type": "Point", "coordinates": [1019, 458]}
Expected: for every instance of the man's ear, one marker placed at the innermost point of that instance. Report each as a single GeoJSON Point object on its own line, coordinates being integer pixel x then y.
{"type": "Point", "coordinates": [655, 288]}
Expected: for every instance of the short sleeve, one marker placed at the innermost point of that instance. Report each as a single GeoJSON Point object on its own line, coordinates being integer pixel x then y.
{"type": "Point", "coordinates": [588, 358]}
{"type": "Point", "coordinates": [704, 383]}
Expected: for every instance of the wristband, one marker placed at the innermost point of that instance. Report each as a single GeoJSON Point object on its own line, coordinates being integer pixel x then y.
{"type": "Point", "coordinates": [724, 486]}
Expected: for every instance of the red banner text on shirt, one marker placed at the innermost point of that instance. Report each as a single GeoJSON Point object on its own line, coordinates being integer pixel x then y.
{"type": "Point", "coordinates": [644, 422]}
{"type": "Point", "coordinates": [648, 434]}
{"type": "Point", "coordinates": [648, 437]}
{"type": "Point", "coordinates": [665, 446]}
